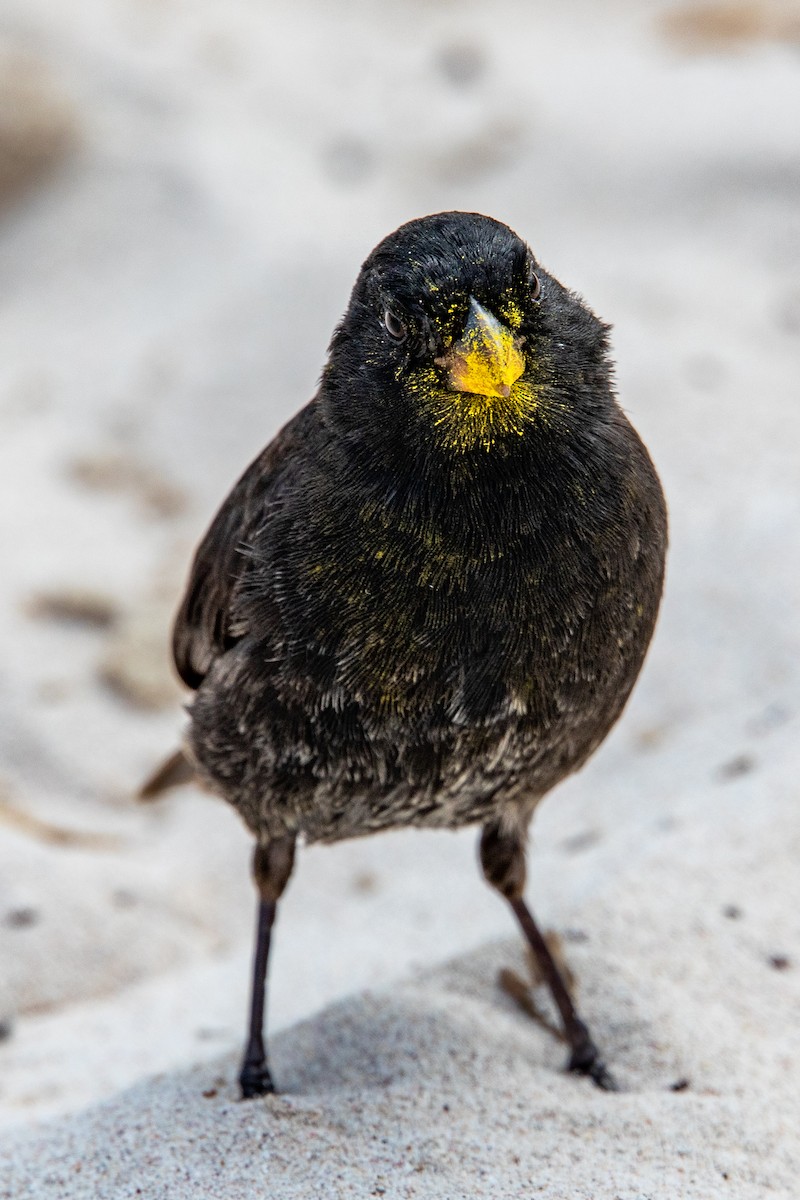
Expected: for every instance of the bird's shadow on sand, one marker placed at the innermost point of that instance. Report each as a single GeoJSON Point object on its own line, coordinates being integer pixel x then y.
{"type": "Point", "coordinates": [446, 1030]}
{"type": "Point", "coordinates": [444, 1023]}
{"type": "Point", "coordinates": [452, 1024]}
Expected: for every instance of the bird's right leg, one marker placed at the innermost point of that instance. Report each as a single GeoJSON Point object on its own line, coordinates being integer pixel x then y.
{"type": "Point", "coordinates": [272, 866]}
{"type": "Point", "coordinates": [502, 857]}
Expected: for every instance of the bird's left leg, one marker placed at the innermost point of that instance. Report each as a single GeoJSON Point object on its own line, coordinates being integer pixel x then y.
{"type": "Point", "coordinates": [502, 856]}
{"type": "Point", "coordinates": [272, 866]}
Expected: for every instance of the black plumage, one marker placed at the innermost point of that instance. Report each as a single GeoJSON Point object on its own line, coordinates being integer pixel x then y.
{"type": "Point", "coordinates": [427, 600]}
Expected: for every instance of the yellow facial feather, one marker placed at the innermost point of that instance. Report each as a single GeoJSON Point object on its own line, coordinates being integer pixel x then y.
{"type": "Point", "coordinates": [463, 421]}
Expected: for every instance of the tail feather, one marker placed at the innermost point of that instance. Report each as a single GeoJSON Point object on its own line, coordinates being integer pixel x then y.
{"type": "Point", "coordinates": [173, 772]}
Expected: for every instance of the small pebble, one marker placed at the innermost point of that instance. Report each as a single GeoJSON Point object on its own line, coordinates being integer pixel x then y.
{"type": "Point", "coordinates": [461, 63]}
{"type": "Point", "coordinates": [21, 918]}
{"type": "Point", "coordinates": [742, 764]}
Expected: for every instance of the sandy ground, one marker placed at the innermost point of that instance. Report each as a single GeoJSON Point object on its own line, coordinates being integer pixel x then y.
{"type": "Point", "coordinates": [186, 195]}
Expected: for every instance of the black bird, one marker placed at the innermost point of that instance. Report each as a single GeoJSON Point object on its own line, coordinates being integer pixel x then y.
{"type": "Point", "coordinates": [427, 600]}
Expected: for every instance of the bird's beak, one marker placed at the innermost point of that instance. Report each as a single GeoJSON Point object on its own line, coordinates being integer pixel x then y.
{"type": "Point", "coordinates": [486, 360]}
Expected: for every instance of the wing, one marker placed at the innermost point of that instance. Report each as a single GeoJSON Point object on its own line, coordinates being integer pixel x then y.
{"type": "Point", "coordinates": [204, 626]}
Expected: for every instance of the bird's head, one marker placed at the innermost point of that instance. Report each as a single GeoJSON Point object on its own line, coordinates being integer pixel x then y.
{"type": "Point", "coordinates": [455, 331]}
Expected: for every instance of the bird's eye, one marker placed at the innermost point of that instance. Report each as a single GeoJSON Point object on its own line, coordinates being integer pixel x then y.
{"type": "Point", "coordinates": [394, 326]}
{"type": "Point", "coordinates": [534, 284]}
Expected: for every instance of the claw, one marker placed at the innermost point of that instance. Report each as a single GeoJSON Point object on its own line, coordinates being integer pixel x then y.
{"type": "Point", "coordinates": [585, 1060]}
{"type": "Point", "coordinates": [255, 1080]}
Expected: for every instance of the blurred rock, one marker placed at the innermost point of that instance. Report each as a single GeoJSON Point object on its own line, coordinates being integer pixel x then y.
{"type": "Point", "coordinates": [461, 63]}
{"type": "Point", "coordinates": [38, 125]}
{"type": "Point", "coordinates": [723, 26]}
{"type": "Point", "coordinates": [136, 663]}
{"type": "Point", "coordinates": [78, 606]}
{"type": "Point", "coordinates": [115, 472]}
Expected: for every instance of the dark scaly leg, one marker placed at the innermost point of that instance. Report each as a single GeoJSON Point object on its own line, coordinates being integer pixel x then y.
{"type": "Point", "coordinates": [272, 866]}
{"type": "Point", "coordinates": [503, 861]}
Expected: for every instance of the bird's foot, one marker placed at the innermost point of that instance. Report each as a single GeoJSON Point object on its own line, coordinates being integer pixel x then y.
{"type": "Point", "coordinates": [585, 1059]}
{"type": "Point", "coordinates": [255, 1080]}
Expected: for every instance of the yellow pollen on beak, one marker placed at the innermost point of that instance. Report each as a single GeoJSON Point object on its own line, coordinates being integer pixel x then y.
{"type": "Point", "coordinates": [486, 360]}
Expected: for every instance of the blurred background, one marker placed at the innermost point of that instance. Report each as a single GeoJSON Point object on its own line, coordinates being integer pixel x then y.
{"type": "Point", "coordinates": [187, 191]}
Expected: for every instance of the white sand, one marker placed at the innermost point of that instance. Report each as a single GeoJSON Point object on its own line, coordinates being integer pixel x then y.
{"type": "Point", "coordinates": [168, 292]}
